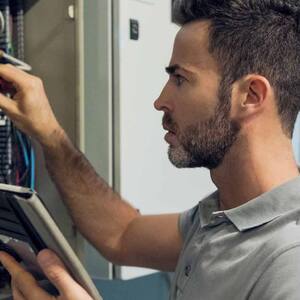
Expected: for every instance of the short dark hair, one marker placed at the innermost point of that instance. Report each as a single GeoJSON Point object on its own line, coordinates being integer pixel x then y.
{"type": "Point", "coordinates": [254, 37]}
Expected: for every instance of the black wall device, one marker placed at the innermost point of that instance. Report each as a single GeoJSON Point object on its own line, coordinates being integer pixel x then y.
{"type": "Point", "coordinates": [134, 29]}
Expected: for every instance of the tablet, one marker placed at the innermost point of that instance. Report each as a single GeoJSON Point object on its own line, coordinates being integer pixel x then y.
{"type": "Point", "coordinates": [26, 227]}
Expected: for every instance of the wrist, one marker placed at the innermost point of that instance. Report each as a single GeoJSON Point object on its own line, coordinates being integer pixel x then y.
{"type": "Point", "coordinates": [52, 138]}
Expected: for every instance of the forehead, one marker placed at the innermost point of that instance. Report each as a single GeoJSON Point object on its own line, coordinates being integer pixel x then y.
{"type": "Point", "coordinates": [191, 46]}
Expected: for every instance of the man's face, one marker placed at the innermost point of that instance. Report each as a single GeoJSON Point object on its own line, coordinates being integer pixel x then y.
{"type": "Point", "coordinates": [195, 103]}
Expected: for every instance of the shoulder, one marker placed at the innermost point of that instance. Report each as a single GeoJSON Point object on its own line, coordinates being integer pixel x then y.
{"type": "Point", "coordinates": [187, 219]}
{"type": "Point", "coordinates": [284, 234]}
{"type": "Point", "coordinates": [281, 276]}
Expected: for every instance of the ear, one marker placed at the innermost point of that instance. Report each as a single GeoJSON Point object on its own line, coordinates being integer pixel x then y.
{"type": "Point", "coordinates": [249, 97]}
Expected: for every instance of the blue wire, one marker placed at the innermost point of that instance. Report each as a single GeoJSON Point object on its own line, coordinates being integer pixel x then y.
{"type": "Point", "coordinates": [24, 149]}
{"type": "Point", "coordinates": [28, 162]}
{"type": "Point", "coordinates": [32, 171]}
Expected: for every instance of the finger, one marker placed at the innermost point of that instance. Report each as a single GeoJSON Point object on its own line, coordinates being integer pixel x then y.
{"type": "Point", "coordinates": [7, 104]}
{"type": "Point", "coordinates": [16, 293]}
{"type": "Point", "coordinates": [23, 280]}
{"type": "Point", "coordinates": [57, 273]}
{"type": "Point", "coordinates": [10, 264]}
{"type": "Point", "coordinates": [14, 75]}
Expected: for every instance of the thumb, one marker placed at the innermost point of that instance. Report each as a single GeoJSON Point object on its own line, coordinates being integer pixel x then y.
{"type": "Point", "coordinates": [58, 275]}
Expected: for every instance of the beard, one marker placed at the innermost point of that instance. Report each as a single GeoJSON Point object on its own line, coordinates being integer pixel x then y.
{"type": "Point", "coordinates": [206, 143]}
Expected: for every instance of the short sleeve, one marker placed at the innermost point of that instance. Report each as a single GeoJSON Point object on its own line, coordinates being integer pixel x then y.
{"type": "Point", "coordinates": [186, 221]}
{"type": "Point", "coordinates": [281, 280]}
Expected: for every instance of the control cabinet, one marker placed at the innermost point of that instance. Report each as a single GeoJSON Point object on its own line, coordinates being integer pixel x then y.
{"type": "Point", "coordinates": [50, 36]}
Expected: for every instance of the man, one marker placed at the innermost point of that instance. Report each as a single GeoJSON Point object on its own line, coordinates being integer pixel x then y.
{"type": "Point", "coordinates": [229, 105]}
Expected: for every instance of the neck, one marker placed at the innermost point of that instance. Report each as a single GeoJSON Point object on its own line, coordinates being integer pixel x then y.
{"type": "Point", "coordinates": [251, 169]}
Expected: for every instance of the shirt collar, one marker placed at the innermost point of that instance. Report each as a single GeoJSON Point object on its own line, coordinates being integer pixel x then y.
{"type": "Point", "coordinates": [207, 209]}
{"type": "Point", "coordinates": [257, 211]}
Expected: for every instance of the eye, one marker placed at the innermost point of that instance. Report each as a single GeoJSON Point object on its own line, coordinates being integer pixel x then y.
{"type": "Point", "coordinates": [178, 79]}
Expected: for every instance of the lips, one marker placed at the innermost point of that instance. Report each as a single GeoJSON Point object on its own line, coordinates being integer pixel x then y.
{"type": "Point", "coordinates": [170, 136]}
{"type": "Point", "coordinates": [171, 139]}
{"type": "Point", "coordinates": [168, 129]}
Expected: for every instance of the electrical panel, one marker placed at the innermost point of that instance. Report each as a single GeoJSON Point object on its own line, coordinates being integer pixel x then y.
{"type": "Point", "coordinates": [16, 152]}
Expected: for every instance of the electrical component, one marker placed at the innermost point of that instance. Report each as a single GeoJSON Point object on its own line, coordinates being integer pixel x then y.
{"type": "Point", "coordinates": [17, 159]}
{"type": "Point", "coordinates": [5, 37]}
{"type": "Point", "coordinates": [5, 149]}
{"type": "Point", "coordinates": [17, 12]}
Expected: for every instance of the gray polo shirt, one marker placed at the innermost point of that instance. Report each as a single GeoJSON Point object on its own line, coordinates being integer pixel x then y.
{"type": "Point", "coordinates": [250, 252]}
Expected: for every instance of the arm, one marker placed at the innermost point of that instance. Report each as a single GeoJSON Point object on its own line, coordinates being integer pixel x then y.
{"type": "Point", "coordinates": [116, 229]}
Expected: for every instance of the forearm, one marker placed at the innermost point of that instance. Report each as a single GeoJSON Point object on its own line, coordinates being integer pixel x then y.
{"type": "Point", "coordinates": [113, 226]}
{"type": "Point", "coordinates": [99, 213]}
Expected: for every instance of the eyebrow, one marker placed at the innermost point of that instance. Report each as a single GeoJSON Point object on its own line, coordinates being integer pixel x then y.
{"type": "Point", "coordinates": [173, 68]}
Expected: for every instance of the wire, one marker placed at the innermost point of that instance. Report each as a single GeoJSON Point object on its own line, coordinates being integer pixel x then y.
{"type": "Point", "coordinates": [32, 173]}
{"type": "Point", "coordinates": [19, 153]}
{"type": "Point", "coordinates": [24, 149]}
{"type": "Point", "coordinates": [29, 158]}
{"type": "Point", "coordinates": [18, 150]}
{"type": "Point", "coordinates": [24, 178]}
{"type": "Point", "coordinates": [18, 63]}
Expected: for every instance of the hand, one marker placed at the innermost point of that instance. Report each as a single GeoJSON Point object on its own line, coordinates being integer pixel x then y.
{"type": "Point", "coordinates": [25, 287]}
{"type": "Point", "coordinates": [30, 111]}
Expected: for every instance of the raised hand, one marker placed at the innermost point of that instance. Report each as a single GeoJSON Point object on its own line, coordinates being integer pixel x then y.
{"type": "Point", "coordinates": [30, 111]}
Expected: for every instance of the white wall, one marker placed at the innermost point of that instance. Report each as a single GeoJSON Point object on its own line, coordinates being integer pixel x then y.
{"type": "Point", "coordinates": [296, 140]}
{"type": "Point", "coordinates": [147, 178]}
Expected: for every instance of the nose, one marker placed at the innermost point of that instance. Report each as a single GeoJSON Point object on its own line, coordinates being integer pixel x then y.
{"type": "Point", "coordinates": [157, 104]}
{"type": "Point", "coordinates": [162, 103]}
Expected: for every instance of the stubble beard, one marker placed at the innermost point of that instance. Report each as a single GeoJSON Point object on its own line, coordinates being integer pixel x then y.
{"type": "Point", "coordinates": [205, 144]}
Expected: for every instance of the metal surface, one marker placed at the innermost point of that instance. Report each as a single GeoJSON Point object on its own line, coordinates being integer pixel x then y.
{"type": "Point", "coordinates": [50, 48]}
{"type": "Point", "coordinates": [98, 106]}
{"type": "Point", "coordinates": [73, 57]}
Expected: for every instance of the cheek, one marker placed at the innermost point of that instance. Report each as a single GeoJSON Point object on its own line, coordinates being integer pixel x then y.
{"type": "Point", "coordinates": [190, 115]}
{"type": "Point", "coordinates": [199, 104]}
{"type": "Point", "coordinates": [206, 94]}
{"type": "Point", "coordinates": [195, 103]}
